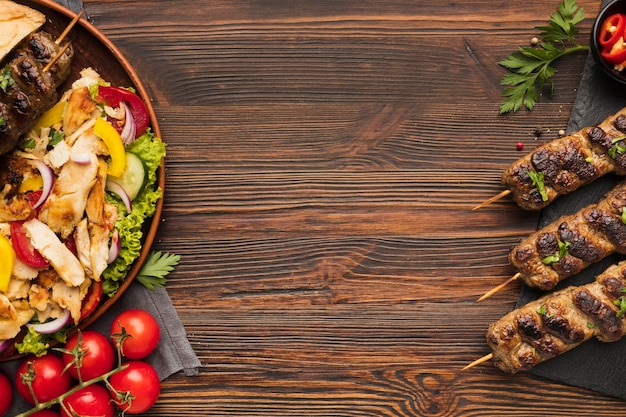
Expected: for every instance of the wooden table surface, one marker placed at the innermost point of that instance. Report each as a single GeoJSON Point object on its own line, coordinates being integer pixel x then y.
{"type": "Point", "coordinates": [323, 160]}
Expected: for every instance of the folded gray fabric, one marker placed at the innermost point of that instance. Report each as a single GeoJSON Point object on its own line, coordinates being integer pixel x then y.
{"type": "Point", "coordinates": [74, 5]}
{"type": "Point", "coordinates": [174, 352]}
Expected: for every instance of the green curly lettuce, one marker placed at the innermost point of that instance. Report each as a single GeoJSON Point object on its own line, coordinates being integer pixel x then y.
{"type": "Point", "coordinates": [151, 150]}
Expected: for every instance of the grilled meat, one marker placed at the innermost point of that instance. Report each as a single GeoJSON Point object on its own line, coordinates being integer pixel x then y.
{"type": "Point", "coordinates": [30, 91]}
{"type": "Point", "coordinates": [13, 205]}
{"type": "Point", "coordinates": [43, 48]}
{"type": "Point", "coordinates": [558, 322]}
{"type": "Point", "coordinates": [572, 242]}
{"type": "Point", "coordinates": [565, 164]}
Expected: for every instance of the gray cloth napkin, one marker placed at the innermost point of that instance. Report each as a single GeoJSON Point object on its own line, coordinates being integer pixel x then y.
{"type": "Point", "coordinates": [593, 365]}
{"type": "Point", "coordinates": [174, 352]}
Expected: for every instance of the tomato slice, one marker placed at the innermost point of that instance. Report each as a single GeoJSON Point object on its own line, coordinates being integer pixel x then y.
{"type": "Point", "coordinates": [23, 248]}
{"type": "Point", "coordinates": [32, 198]}
{"type": "Point", "coordinates": [112, 96]}
{"type": "Point", "coordinates": [92, 299]}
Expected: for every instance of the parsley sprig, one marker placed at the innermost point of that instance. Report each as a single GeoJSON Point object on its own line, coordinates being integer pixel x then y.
{"type": "Point", "coordinates": [530, 67]}
{"type": "Point", "coordinates": [153, 272]}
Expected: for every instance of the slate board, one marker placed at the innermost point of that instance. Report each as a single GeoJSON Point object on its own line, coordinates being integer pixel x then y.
{"type": "Point", "coordinates": [594, 365]}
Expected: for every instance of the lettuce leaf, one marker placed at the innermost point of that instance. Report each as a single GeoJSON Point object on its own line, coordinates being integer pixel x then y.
{"type": "Point", "coordinates": [151, 150]}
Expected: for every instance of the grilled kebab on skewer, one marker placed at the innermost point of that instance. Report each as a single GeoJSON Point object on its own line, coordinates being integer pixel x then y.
{"type": "Point", "coordinates": [28, 90]}
{"type": "Point", "coordinates": [563, 165]}
{"type": "Point", "coordinates": [572, 242]}
{"type": "Point", "coordinates": [561, 321]}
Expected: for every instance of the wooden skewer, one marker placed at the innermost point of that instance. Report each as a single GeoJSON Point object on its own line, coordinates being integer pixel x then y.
{"type": "Point", "coordinates": [60, 39]}
{"type": "Point", "coordinates": [499, 287]}
{"type": "Point", "coordinates": [478, 361]}
{"type": "Point", "coordinates": [492, 199]}
{"type": "Point", "coordinates": [68, 28]}
{"type": "Point", "coordinates": [56, 57]}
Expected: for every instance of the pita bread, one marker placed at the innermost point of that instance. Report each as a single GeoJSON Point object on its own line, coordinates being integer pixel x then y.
{"type": "Point", "coordinates": [16, 22]}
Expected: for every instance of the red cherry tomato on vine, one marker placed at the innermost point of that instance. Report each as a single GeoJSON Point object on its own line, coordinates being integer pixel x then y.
{"type": "Point", "coordinates": [98, 359]}
{"type": "Point", "coordinates": [92, 400]}
{"type": "Point", "coordinates": [49, 380]}
{"type": "Point", "coordinates": [143, 331]}
{"type": "Point", "coordinates": [6, 394]}
{"type": "Point", "coordinates": [142, 381]}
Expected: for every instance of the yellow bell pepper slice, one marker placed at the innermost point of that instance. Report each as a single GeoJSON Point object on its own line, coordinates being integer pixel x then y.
{"type": "Point", "coordinates": [105, 131]}
{"type": "Point", "coordinates": [33, 183]}
{"type": "Point", "coordinates": [50, 117]}
{"type": "Point", "coordinates": [7, 254]}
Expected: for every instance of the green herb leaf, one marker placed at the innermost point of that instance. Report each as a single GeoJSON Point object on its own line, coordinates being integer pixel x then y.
{"type": "Point", "coordinates": [550, 259]}
{"type": "Point", "coordinates": [618, 147]}
{"type": "Point", "coordinates": [621, 303]}
{"type": "Point", "coordinates": [158, 265]}
{"type": "Point", "coordinates": [6, 80]}
{"type": "Point", "coordinates": [538, 179]}
{"type": "Point", "coordinates": [56, 136]}
{"type": "Point", "coordinates": [542, 310]}
{"type": "Point", "coordinates": [530, 67]}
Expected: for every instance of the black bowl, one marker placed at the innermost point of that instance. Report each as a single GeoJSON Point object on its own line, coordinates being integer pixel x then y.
{"type": "Point", "coordinates": [614, 6]}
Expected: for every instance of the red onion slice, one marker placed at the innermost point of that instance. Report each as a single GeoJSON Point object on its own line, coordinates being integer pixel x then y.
{"type": "Point", "coordinates": [117, 188]}
{"type": "Point", "coordinates": [115, 248]}
{"type": "Point", "coordinates": [130, 127]}
{"type": "Point", "coordinates": [4, 344]}
{"type": "Point", "coordinates": [53, 325]}
{"type": "Point", "coordinates": [82, 158]}
{"type": "Point", "coordinates": [48, 181]}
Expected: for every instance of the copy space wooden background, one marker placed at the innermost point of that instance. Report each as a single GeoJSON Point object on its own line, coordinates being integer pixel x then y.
{"type": "Point", "coordinates": [323, 160]}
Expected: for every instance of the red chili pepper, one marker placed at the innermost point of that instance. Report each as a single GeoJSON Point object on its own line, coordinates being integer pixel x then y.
{"type": "Point", "coordinates": [112, 96]}
{"type": "Point", "coordinates": [608, 37]}
{"type": "Point", "coordinates": [616, 57]}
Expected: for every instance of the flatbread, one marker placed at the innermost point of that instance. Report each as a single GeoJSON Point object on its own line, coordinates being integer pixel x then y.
{"type": "Point", "coordinates": [16, 22]}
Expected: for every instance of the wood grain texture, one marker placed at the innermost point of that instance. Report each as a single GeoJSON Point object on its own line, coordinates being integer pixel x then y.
{"type": "Point", "coordinates": [323, 160]}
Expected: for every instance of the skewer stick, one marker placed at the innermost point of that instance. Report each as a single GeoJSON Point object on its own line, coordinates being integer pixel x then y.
{"type": "Point", "coordinates": [492, 199]}
{"type": "Point", "coordinates": [499, 287]}
{"type": "Point", "coordinates": [478, 361]}
{"type": "Point", "coordinates": [68, 28]}
{"type": "Point", "coordinates": [56, 57]}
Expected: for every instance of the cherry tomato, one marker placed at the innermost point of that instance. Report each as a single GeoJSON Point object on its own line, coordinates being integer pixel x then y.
{"type": "Point", "coordinates": [49, 381]}
{"type": "Point", "coordinates": [45, 413]}
{"type": "Point", "coordinates": [93, 400]}
{"type": "Point", "coordinates": [6, 394]}
{"type": "Point", "coordinates": [142, 381]}
{"type": "Point", "coordinates": [23, 248]}
{"type": "Point", "coordinates": [143, 330]}
{"type": "Point", "coordinates": [98, 358]}
{"type": "Point", "coordinates": [92, 299]}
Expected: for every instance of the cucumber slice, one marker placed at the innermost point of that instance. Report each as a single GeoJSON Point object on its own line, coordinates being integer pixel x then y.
{"type": "Point", "coordinates": [134, 176]}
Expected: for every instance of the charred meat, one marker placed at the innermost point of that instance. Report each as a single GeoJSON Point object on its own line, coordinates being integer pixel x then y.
{"type": "Point", "coordinates": [565, 164]}
{"type": "Point", "coordinates": [572, 242]}
{"type": "Point", "coordinates": [558, 322]}
{"type": "Point", "coordinates": [26, 91]}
